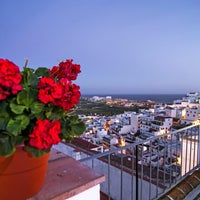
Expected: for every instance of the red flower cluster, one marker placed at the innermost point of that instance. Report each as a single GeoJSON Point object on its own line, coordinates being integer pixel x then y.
{"type": "Point", "coordinates": [22, 93]}
{"type": "Point", "coordinates": [66, 70]}
{"type": "Point", "coordinates": [10, 79]}
{"type": "Point", "coordinates": [58, 89]}
{"type": "Point", "coordinates": [45, 134]}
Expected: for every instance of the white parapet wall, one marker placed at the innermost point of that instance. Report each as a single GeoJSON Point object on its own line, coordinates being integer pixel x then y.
{"type": "Point", "coordinates": [90, 194]}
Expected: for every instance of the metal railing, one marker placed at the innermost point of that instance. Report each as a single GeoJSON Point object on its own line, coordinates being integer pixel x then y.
{"type": "Point", "coordinates": [148, 168]}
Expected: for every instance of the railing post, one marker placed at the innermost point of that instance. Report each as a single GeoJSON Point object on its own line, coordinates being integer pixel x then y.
{"type": "Point", "coordinates": [136, 173]}
{"type": "Point", "coordinates": [198, 146]}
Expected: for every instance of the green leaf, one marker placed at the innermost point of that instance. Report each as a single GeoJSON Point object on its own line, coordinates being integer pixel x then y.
{"type": "Point", "coordinates": [73, 126]}
{"type": "Point", "coordinates": [6, 147]}
{"type": "Point", "coordinates": [55, 113]}
{"type": "Point", "coordinates": [4, 109]}
{"type": "Point", "coordinates": [29, 78]}
{"type": "Point", "coordinates": [33, 80]}
{"type": "Point", "coordinates": [17, 109]}
{"type": "Point", "coordinates": [37, 107]}
{"type": "Point", "coordinates": [36, 152]}
{"type": "Point", "coordinates": [78, 129]}
{"type": "Point", "coordinates": [25, 97]}
{"type": "Point", "coordinates": [42, 71]}
{"type": "Point", "coordinates": [17, 140]}
{"type": "Point", "coordinates": [15, 126]}
{"type": "Point", "coordinates": [3, 123]}
{"type": "Point", "coordinates": [77, 125]}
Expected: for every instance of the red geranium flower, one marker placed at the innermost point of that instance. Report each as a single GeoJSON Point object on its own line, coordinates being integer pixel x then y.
{"type": "Point", "coordinates": [66, 70]}
{"type": "Point", "coordinates": [45, 134]}
{"type": "Point", "coordinates": [63, 93]}
{"type": "Point", "coordinates": [70, 95]}
{"type": "Point", "coordinates": [3, 94]}
{"type": "Point", "coordinates": [10, 78]}
{"type": "Point", "coordinates": [48, 90]}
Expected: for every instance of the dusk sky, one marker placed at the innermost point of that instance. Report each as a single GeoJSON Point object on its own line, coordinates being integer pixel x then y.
{"type": "Point", "coordinates": [123, 46]}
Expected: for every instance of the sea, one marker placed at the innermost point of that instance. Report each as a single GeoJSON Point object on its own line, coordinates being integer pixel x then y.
{"type": "Point", "coordinates": [158, 98]}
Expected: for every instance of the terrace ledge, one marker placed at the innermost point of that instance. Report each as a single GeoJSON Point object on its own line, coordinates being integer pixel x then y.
{"type": "Point", "coordinates": [68, 178]}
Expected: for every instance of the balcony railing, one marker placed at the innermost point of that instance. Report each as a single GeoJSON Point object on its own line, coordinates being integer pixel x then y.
{"type": "Point", "coordinates": [149, 168]}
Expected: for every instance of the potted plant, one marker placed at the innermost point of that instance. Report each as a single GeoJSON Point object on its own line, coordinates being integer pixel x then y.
{"type": "Point", "coordinates": [36, 112]}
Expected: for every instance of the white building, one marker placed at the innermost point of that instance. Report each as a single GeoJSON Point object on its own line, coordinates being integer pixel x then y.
{"type": "Point", "coordinates": [97, 98]}
{"type": "Point", "coordinates": [145, 125]}
{"type": "Point", "coordinates": [192, 115]}
{"type": "Point", "coordinates": [171, 111]}
{"type": "Point", "coordinates": [175, 111]}
{"type": "Point", "coordinates": [161, 124]}
{"type": "Point", "coordinates": [136, 121]}
{"type": "Point", "coordinates": [192, 97]}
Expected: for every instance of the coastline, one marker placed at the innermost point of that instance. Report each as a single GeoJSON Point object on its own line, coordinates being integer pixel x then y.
{"type": "Point", "coordinates": [158, 98]}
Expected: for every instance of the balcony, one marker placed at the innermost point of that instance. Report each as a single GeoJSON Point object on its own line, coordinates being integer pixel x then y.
{"type": "Point", "coordinates": [162, 167]}
{"type": "Point", "coordinates": [148, 169]}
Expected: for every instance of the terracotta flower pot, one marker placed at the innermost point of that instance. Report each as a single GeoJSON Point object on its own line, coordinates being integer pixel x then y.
{"type": "Point", "coordinates": [21, 175]}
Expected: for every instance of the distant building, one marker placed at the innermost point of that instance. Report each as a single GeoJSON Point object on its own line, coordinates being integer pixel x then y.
{"type": "Point", "coordinates": [97, 98]}
{"type": "Point", "coordinates": [109, 141]}
{"type": "Point", "coordinates": [161, 125]}
{"type": "Point", "coordinates": [145, 125]}
{"type": "Point", "coordinates": [192, 115]}
{"type": "Point", "coordinates": [191, 97]}
{"type": "Point", "coordinates": [108, 98]}
{"type": "Point", "coordinates": [171, 111]}
{"type": "Point", "coordinates": [136, 121]}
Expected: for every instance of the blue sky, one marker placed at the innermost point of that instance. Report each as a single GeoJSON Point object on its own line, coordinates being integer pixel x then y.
{"type": "Point", "coordinates": [123, 46]}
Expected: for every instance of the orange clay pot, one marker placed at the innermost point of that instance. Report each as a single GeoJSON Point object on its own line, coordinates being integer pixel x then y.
{"type": "Point", "coordinates": [21, 175]}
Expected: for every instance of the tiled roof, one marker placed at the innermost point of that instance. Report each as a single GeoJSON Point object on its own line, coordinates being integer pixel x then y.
{"type": "Point", "coordinates": [83, 143]}
{"type": "Point", "coordinates": [184, 188]}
